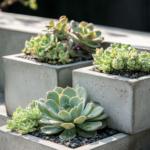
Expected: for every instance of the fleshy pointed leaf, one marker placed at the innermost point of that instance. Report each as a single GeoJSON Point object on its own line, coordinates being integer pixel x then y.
{"type": "Point", "coordinates": [51, 23]}
{"type": "Point", "coordinates": [52, 105]}
{"type": "Point", "coordinates": [68, 134]}
{"type": "Point", "coordinates": [44, 121]}
{"type": "Point", "coordinates": [99, 118]}
{"type": "Point", "coordinates": [51, 129]}
{"type": "Point", "coordinates": [80, 109]}
{"type": "Point", "coordinates": [81, 92]}
{"type": "Point", "coordinates": [82, 24]}
{"type": "Point", "coordinates": [68, 125]}
{"type": "Point", "coordinates": [42, 100]}
{"type": "Point", "coordinates": [64, 99]}
{"type": "Point", "coordinates": [64, 115]}
{"type": "Point", "coordinates": [97, 33]}
{"type": "Point", "coordinates": [56, 122]}
{"type": "Point", "coordinates": [80, 120]}
{"type": "Point", "coordinates": [90, 126]}
{"type": "Point", "coordinates": [79, 35]}
{"type": "Point", "coordinates": [86, 134]}
{"type": "Point", "coordinates": [90, 27]}
{"type": "Point", "coordinates": [95, 112]}
{"type": "Point", "coordinates": [58, 90]}
{"type": "Point", "coordinates": [87, 109]}
{"type": "Point", "coordinates": [58, 26]}
{"type": "Point", "coordinates": [53, 95]}
{"type": "Point", "coordinates": [74, 113]}
{"type": "Point", "coordinates": [69, 92]}
{"type": "Point", "coordinates": [75, 101]}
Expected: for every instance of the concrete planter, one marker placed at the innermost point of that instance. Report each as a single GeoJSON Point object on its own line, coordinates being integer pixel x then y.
{"type": "Point", "coordinates": [26, 80]}
{"type": "Point", "coordinates": [12, 140]}
{"type": "Point", "coordinates": [126, 100]}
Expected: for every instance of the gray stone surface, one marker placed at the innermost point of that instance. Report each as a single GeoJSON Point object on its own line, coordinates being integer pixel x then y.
{"type": "Point", "coordinates": [125, 100]}
{"type": "Point", "coordinates": [12, 141]}
{"type": "Point", "coordinates": [26, 80]}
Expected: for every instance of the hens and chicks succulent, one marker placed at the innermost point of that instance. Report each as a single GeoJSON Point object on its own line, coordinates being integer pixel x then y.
{"type": "Point", "coordinates": [65, 111]}
{"type": "Point", "coordinates": [64, 41]}
{"type": "Point", "coordinates": [120, 56]}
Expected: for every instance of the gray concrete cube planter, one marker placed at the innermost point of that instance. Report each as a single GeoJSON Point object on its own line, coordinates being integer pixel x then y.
{"type": "Point", "coordinates": [26, 80]}
{"type": "Point", "coordinates": [126, 101]}
{"type": "Point", "coordinates": [13, 140]}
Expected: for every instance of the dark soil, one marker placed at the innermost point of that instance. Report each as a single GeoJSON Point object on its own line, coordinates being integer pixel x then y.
{"type": "Point", "coordinates": [74, 60]}
{"type": "Point", "coordinates": [124, 73]}
{"type": "Point", "coordinates": [78, 140]}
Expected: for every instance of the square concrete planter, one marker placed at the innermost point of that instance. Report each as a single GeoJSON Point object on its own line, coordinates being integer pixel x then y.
{"type": "Point", "coordinates": [12, 141]}
{"type": "Point", "coordinates": [26, 80]}
{"type": "Point", "coordinates": [127, 101]}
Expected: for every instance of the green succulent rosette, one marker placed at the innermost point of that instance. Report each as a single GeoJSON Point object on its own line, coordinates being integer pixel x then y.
{"type": "Point", "coordinates": [66, 111]}
{"type": "Point", "coordinates": [120, 56]}
{"type": "Point", "coordinates": [25, 120]}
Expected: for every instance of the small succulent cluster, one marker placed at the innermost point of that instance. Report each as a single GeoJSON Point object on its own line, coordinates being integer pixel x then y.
{"type": "Point", "coordinates": [66, 110]}
{"type": "Point", "coordinates": [63, 42]}
{"type": "Point", "coordinates": [25, 120]}
{"type": "Point", "coordinates": [120, 56]}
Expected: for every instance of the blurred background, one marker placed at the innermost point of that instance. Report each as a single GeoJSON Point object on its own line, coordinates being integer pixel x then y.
{"type": "Point", "coordinates": [127, 14]}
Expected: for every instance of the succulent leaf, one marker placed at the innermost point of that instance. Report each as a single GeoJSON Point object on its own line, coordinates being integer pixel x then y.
{"type": "Point", "coordinates": [68, 134]}
{"type": "Point", "coordinates": [64, 115]}
{"type": "Point", "coordinates": [70, 92]}
{"type": "Point", "coordinates": [53, 95]}
{"type": "Point", "coordinates": [86, 134]}
{"type": "Point", "coordinates": [74, 113]}
{"type": "Point", "coordinates": [68, 125]}
{"type": "Point", "coordinates": [64, 99]}
{"type": "Point", "coordinates": [51, 129]}
{"type": "Point", "coordinates": [58, 90]}
{"type": "Point", "coordinates": [80, 120]}
{"type": "Point", "coordinates": [75, 101]}
{"type": "Point", "coordinates": [90, 126]}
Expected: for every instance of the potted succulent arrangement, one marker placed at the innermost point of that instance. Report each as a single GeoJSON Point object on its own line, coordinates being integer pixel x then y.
{"type": "Point", "coordinates": [62, 117]}
{"type": "Point", "coordinates": [120, 81]}
{"type": "Point", "coordinates": [48, 61]}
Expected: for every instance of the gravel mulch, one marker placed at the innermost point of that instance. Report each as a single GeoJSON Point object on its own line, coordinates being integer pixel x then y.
{"type": "Point", "coordinates": [78, 140]}
{"type": "Point", "coordinates": [124, 73]}
{"type": "Point", "coordinates": [74, 60]}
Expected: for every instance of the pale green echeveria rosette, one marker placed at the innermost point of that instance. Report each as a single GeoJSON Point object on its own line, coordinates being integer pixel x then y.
{"type": "Point", "coordinates": [25, 120]}
{"type": "Point", "coordinates": [66, 111]}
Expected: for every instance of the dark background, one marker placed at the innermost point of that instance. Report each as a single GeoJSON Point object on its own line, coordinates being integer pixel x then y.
{"type": "Point", "coordinates": [129, 14]}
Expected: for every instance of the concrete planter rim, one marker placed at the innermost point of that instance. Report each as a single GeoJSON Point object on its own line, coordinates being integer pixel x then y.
{"type": "Point", "coordinates": [115, 77]}
{"type": "Point", "coordinates": [14, 57]}
{"type": "Point", "coordinates": [53, 145]}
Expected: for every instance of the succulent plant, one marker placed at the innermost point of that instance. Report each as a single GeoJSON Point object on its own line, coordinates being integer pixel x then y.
{"type": "Point", "coordinates": [66, 110]}
{"type": "Point", "coordinates": [60, 29]}
{"type": "Point", "coordinates": [63, 42]}
{"type": "Point", "coordinates": [85, 36]}
{"type": "Point", "coordinates": [25, 120]}
{"type": "Point", "coordinates": [120, 56]}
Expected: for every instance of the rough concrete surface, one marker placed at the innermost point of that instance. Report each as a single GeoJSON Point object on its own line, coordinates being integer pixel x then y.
{"type": "Point", "coordinates": [26, 80]}
{"type": "Point", "coordinates": [125, 100]}
{"type": "Point", "coordinates": [12, 141]}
